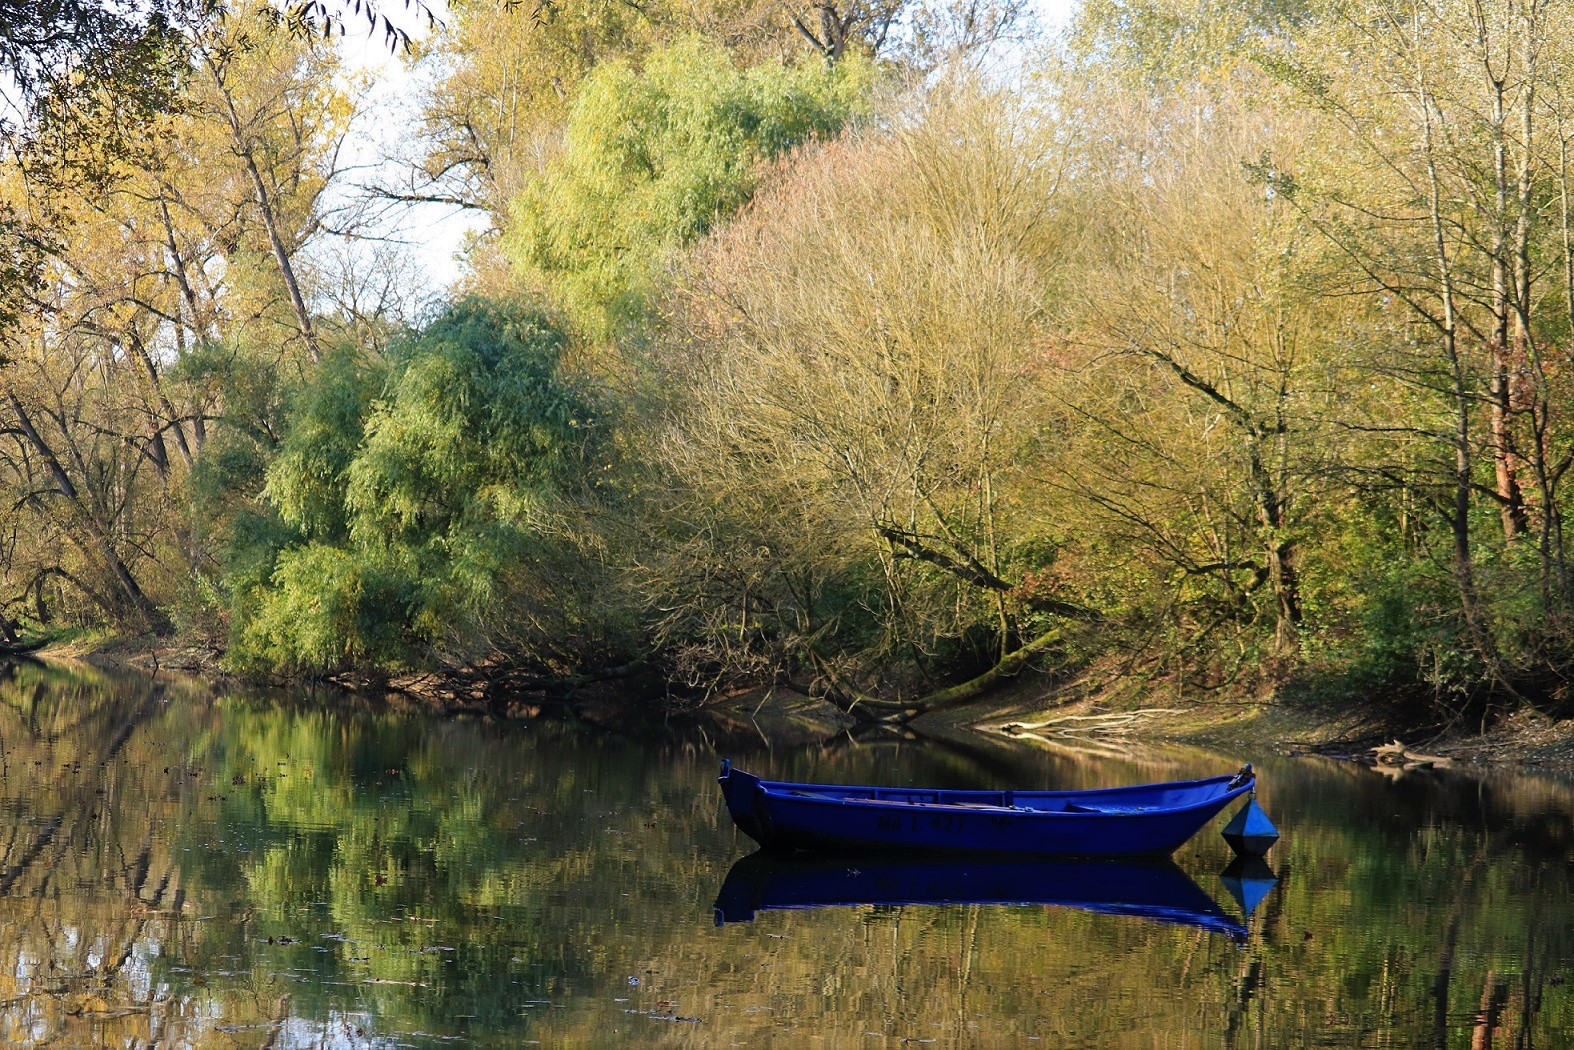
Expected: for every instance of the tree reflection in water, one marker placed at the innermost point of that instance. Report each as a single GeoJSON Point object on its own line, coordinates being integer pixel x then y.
{"type": "Point", "coordinates": [190, 869]}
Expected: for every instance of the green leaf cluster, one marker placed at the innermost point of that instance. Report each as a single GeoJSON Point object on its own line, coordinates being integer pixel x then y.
{"type": "Point", "coordinates": [406, 493]}
{"type": "Point", "coordinates": [653, 157]}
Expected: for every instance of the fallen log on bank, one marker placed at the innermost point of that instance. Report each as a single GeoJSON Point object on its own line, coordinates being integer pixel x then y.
{"type": "Point", "coordinates": [870, 708]}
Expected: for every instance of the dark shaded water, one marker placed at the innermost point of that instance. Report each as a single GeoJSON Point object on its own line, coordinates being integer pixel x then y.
{"type": "Point", "coordinates": [188, 871]}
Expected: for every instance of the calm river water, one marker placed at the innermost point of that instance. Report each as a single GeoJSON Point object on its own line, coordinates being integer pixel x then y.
{"type": "Point", "coordinates": [184, 870]}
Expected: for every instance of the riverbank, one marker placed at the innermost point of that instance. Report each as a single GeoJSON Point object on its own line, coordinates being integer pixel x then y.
{"type": "Point", "coordinates": [115, 652]}
{"type": "Point", "coordinates": [1525, 741]}
{"type": "Point", "coordinates": [1063, 716]}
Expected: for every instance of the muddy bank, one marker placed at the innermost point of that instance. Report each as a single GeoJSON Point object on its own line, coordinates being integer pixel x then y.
{"type": "Point", "coordinates": [112, 653]}
{"type": "Point", "coordinates": [1026, 709]}
{"type": "Point", "coordinates": [1526, 741]}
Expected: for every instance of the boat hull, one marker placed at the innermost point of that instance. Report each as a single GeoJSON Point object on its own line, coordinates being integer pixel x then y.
{"type": "Point", "coordinates": [1151, 820]}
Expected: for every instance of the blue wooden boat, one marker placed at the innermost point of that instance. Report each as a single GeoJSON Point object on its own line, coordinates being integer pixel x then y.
{"type": "Point", "coordinates": [1155, 890]}
{"type": "Point", "coordinates": [1142, 820]}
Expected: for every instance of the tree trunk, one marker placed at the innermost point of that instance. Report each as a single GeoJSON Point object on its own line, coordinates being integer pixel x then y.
{"type": "Point", "coordinates": [104, 542]}
{"type": "Point", "coordinates": [1464, 567]}
{"type": "Point", "coordinates": [1504, 457]}
{"type": "Point", "coordinates": [244, 149]}
{"type": "Point", "coordinates": [1009, 667]}
{"type": "Point", "coordinates": [856, 703]}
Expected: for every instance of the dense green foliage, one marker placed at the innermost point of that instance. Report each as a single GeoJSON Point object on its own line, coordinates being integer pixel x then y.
{"type": "Point", "coordinates": [1229, 354]}
{"type": "Point", "coordinates": [407, 505]}
{"type": "Point", "coordinates": [653, 157]}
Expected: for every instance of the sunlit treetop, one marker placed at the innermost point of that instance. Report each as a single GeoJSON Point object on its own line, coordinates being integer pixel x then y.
{"type": "Point", "coordinates": [653, 157]}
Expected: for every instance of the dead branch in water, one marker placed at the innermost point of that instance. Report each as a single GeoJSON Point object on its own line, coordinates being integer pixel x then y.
{"type": "Point", "coordinates": [1397, 758]}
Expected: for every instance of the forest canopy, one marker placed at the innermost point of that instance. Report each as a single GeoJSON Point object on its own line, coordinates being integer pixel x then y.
{"type": "Point", "coordinates": [884, 352]}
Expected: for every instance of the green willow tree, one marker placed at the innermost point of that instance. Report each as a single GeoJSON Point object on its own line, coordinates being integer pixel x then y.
{"type": "Point", "coordinates": [505, 77]}
{"type": "Point", "coordinates": [652, 157]}
{"type": "Point", "coordinates": [414, 517]}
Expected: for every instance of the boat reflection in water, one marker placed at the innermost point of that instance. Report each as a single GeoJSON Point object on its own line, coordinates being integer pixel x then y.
{"type": "Point", "coordinates": [1249, 880]}
{"type": "Point", "coordinates": [1149, 889]}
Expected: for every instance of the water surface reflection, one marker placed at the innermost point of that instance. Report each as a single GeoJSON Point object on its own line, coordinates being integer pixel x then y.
{"type": "Point", "coordinates": [1156, 890]}
{"type": "Point", "coordinates": [188, 870]}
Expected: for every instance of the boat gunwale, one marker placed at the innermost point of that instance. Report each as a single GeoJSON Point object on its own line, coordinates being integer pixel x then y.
{"type": "Point", "coordinates": [836, 795]}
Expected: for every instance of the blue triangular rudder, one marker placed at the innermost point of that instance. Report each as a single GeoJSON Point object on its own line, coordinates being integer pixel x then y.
{"type": "Point", "coordinates": [1250, 832]}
